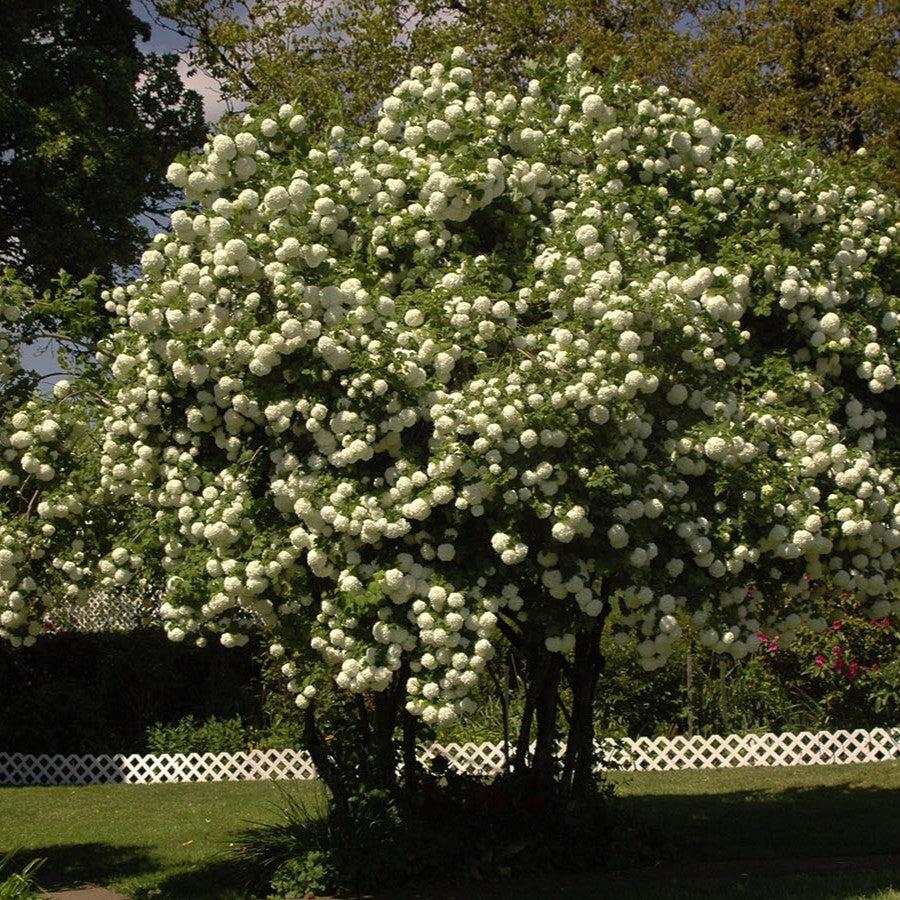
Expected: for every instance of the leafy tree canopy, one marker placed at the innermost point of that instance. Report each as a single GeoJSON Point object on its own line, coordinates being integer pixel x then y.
{"type": "Point", "coordinates": [88, 123]}
{"type": "Point", "coordinates": [821, 70]}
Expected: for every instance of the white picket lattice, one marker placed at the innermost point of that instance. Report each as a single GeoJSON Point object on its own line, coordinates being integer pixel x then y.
{"type": "Point", "coordinates": [120, 609]}
{"type": "Point", "coordinates": [641, 754]}
{"type": "Point", "coordinates": [806, 748]}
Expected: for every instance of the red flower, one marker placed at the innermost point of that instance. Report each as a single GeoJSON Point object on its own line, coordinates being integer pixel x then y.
{"type": "Point", "coordinates": [494, 801]}
{"type": "Point", "coordinates": [535, 803]}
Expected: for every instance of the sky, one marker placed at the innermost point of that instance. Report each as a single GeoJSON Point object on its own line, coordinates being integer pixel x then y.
{"type": "Point", "coordinates": [163, 40]}
{"type": "Point", "coordinates": [41, 356]}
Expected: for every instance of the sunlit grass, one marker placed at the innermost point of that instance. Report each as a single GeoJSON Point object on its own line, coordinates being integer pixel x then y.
{"type": "Point", "coordinates": [800, 832]}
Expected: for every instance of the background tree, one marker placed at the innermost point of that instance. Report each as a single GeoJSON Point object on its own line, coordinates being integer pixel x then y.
{"type": "Point", "coordinates": [88, 124]}
{"type": "Point", "coordinates": [824, 71]}
{"type": "Point", "coordinates": [349, 55]}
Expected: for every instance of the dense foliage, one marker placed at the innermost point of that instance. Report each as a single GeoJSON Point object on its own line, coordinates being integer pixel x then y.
{"type": "Point", "coordinates": [843, 677]}
{"type": "Point", "coordinates": [474, 378]}
{"type": "Point", "coordinates": [454, 827]}
{"type": "Point", "coordinates": [129, 692]}
{"type": "Point", "coordinates": [821, 70]}
{"type": "Point", "coordinates": [88, 124]}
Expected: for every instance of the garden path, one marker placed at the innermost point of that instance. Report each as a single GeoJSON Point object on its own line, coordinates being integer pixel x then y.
{"type": "Point", "coordinates": [86, 892]}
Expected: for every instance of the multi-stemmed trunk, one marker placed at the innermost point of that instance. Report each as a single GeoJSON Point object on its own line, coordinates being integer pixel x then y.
{"type": "Point", "coordinates": [364, 751]}
{"type": "Point", "coordinates": [380, 749]}
{"type": "Point", "coordinates": [537, 746]}
{"type": "Point", "coordinates": [579, 758]}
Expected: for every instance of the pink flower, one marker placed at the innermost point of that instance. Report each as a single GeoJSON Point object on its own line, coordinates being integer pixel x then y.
{"type": "Point", "coordinates": [820, 660]}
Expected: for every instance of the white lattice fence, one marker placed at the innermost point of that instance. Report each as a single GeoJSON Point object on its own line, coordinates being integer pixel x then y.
{"type": "Point", "coordinates": [642, 754]}
{"type": "Point", "coordinates": [122, 609]}
{"type": "Point", "coordinates": [806, 748]}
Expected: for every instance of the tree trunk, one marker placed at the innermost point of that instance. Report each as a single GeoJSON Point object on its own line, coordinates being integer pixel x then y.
{"type": "Point", "coordinates": [544, 762]}
{"type": "Point", "coordinates": [723, 695]}
{"type": "Point", "coordinates": [326, 768]}
{"type": "Point", "coordinates": [689, 688]}
{"type": "Point", "coordinates": [385, 720]}
{"type": "Point", "coordinates": [502, 685]}
{"type": "Point", "coordinates": [410, 760]}
{"type": "Point", "coordinates": [534, 675]}
{"type": "Point", "coordinates": [578, 767]}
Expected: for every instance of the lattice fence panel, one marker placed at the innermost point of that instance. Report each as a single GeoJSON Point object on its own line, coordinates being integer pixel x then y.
{"type": "Point", "coordinates": [805, 748]}
{"type": "Point", "coordinates": [123, 609]}
{"type": "Point", "coordinates": [475, 759]}
{"type": "Point", "coordinates": [641, 754]}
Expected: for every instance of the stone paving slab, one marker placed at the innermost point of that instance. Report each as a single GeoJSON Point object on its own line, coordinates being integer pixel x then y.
{"type": "Point", "coordinates": [86, 892]}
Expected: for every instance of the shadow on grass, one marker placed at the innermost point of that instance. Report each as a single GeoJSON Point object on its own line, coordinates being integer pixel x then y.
{"type": "Point", "coordinates": [802, 823]}
{"type": "Point", "coordinates": [217, 879]}
{"type": "Point", "coordinates": [794, 843]}
{"type": "Point", "coordinates": [802, 843]}
{"type": "Point", "coordinates": [67, 865]}
{"type": "Point", "coordinates": [665, 884]}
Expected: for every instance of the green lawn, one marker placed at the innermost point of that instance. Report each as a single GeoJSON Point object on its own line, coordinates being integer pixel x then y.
{"type": "Point", "coordinates": [135, 836]}
{"type": "Point", "coordinates": [829, 833]}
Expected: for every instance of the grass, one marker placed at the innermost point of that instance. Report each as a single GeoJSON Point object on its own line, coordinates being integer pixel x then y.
{"type": "Point", "coordinates": [822, 833]}
{"type": "Point", "coordinates": [128, 837]}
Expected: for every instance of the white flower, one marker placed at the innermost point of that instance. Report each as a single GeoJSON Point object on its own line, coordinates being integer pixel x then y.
{"type": "Point", "coordinates": [177, 174]}
{"type": "Point", "coordinates": [830, 323]}
{"type": "Point", "coordinates": [586, 235]}
{"type": "Point", "coordinates": [754, 143]}
{"type": "Point", "coordinates": [438, 130]}
{"type": "Point", "coordinates": [595, 109]}
{"type": "Point", "coordinates": [629, 341]}
{"type": "Point", "coordinates": [618, 537]}
{"type": "Point", "coordinates": [716, 448]}
{"type": "Point", "coordinates": [563, 532]}
{"type": "Point", "coordinates": [500, 541]}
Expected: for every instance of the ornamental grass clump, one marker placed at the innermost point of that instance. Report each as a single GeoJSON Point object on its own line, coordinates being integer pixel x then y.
{"type": "Point", "coordinates": [472, 379]}
{"type": "Point", "coordinates": [454, 826]}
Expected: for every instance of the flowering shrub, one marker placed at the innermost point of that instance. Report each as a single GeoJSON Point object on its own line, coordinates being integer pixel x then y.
{"type": "Point", "coordinates": [833, 679]}
{"type": "Point", "coordinates": [512, 358]}
{"type": "Point", "coordinates": [843, 668]}
{"type": "Point", "coordinates": [59, 531]}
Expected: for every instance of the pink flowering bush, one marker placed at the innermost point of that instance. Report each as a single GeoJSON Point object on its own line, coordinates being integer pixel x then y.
{"type": "Point", "coordinates": [849, 670]}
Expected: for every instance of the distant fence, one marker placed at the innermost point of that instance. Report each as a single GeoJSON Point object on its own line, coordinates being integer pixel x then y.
{"type": "Point", "coordinates": [660, 754]}
{"type": "Point", "coordinates": [120, 609]}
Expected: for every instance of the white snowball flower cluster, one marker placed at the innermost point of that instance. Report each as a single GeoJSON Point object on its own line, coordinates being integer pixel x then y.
{"type": "Point", "coordinates": [510, 360]}
{"type": "Point", "coordinates": [59, 542]}
{"type": "Point", "coordinates": [49, 554]}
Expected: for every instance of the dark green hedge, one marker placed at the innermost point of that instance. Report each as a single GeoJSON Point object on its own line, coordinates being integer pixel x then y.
{"type": "Point", "coordinates": [99, 693]}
